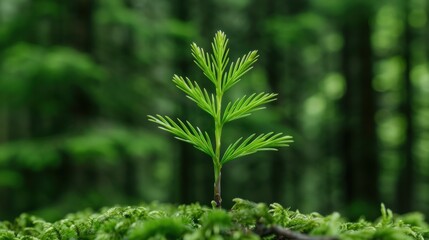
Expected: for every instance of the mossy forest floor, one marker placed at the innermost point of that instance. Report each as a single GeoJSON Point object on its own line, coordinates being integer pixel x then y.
{"type": "Point", "coordinates": [246, 220]}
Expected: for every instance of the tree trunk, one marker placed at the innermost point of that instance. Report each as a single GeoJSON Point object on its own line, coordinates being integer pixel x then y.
{"type": "Point", "coordinates": [82, 27]}
{"type": "Point", "coordinates": [278, 64]}
{"type": "Point", "coordinates": [80, 37]}
{"type": "Point", "coordinates": [358, 141]}
{"type": "Point", "coordinates": [186, 165]}
{"type": "Point", "coordinates": [405, 193]}
{"type": "Point", "coordinates": [273, 59]}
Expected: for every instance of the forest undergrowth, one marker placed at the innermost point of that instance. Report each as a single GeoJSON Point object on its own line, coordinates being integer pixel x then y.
{"type": "Point", "coordinates": [245, 220]}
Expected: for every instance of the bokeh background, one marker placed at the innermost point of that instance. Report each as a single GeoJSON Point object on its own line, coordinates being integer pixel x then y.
{"type": "Point", "coordinates": [78, 79]}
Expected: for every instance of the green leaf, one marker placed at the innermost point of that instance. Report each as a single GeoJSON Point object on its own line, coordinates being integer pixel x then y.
{"type": "Point", "coordinates": [185, 132]}
{"type": "Point", "coordinates": [202, 59]}
{"type": "Point", "coordinates": [252, 144]}
{"type": "Point", "coordinates": [196, 94]}
{"type": "Point", "coordinates": [238, 69]}
{"type": "Point", "coordinates": [244, 106]}
{"type": "Point", "coordinates": [220, 55]}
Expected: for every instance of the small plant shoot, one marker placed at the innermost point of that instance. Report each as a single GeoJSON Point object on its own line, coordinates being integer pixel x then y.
{"type": "Point", "coordinates": [223, 75]}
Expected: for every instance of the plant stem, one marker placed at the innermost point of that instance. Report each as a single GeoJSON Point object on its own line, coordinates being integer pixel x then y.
{"type": "Point", "coordinates": [285, 233]}
{"type": "Point", "coordinates": [216, 160]}
{"type": "Point", "coordinates": [217, 190]}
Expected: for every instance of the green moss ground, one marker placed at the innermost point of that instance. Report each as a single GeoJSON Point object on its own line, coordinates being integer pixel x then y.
{"type": "Point", "coordinates": [246, 220]}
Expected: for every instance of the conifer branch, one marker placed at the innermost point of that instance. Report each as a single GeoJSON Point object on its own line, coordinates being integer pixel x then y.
{"type": "Point", "coordinates": [200, 96]}
{"type": "Point", "coordinates": [202, 59]}
{"type": "Point", "coordinates": [220, 56]}
{"type": "Point", "coordinates": [243, 107]}
{"type": "Point", "coordinates": [252, 144]}
{"type": "Point", "coordinates": [238, 69]}
{"type": "Point", "coordinates": [185, 132]}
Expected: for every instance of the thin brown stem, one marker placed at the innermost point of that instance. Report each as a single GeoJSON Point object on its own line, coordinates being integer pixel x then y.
{"type": "Point", "coordinates": [284, 233]}
{"type": "Point", "coordinates": [217, 191]}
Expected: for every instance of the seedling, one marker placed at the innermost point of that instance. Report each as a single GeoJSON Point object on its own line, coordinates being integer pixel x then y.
{"type": "Point", "coordinates": [215, 68]}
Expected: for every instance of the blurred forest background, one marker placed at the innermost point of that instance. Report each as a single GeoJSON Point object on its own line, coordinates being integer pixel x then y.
{"type": "Point", "coordinates": [78, 79]}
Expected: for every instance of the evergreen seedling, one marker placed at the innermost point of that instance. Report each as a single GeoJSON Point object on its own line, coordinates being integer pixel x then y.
{"type": "Point", "coordinates": [223, 75]}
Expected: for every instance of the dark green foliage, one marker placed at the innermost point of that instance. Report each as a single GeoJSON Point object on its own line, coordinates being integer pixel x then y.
{"type": "Point", "coordinates": [194, 222]}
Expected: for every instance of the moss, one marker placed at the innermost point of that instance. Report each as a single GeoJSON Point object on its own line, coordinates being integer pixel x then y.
{"type": "Point", "coordinates": [195, 222]}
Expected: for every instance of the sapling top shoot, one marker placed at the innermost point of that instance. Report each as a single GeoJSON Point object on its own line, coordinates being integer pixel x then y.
{"type": "Point", "coordinates": [223, 75]}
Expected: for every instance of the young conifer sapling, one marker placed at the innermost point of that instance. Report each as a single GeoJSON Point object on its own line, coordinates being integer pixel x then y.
{"type": "Point", "coordinates": [223, 75]}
